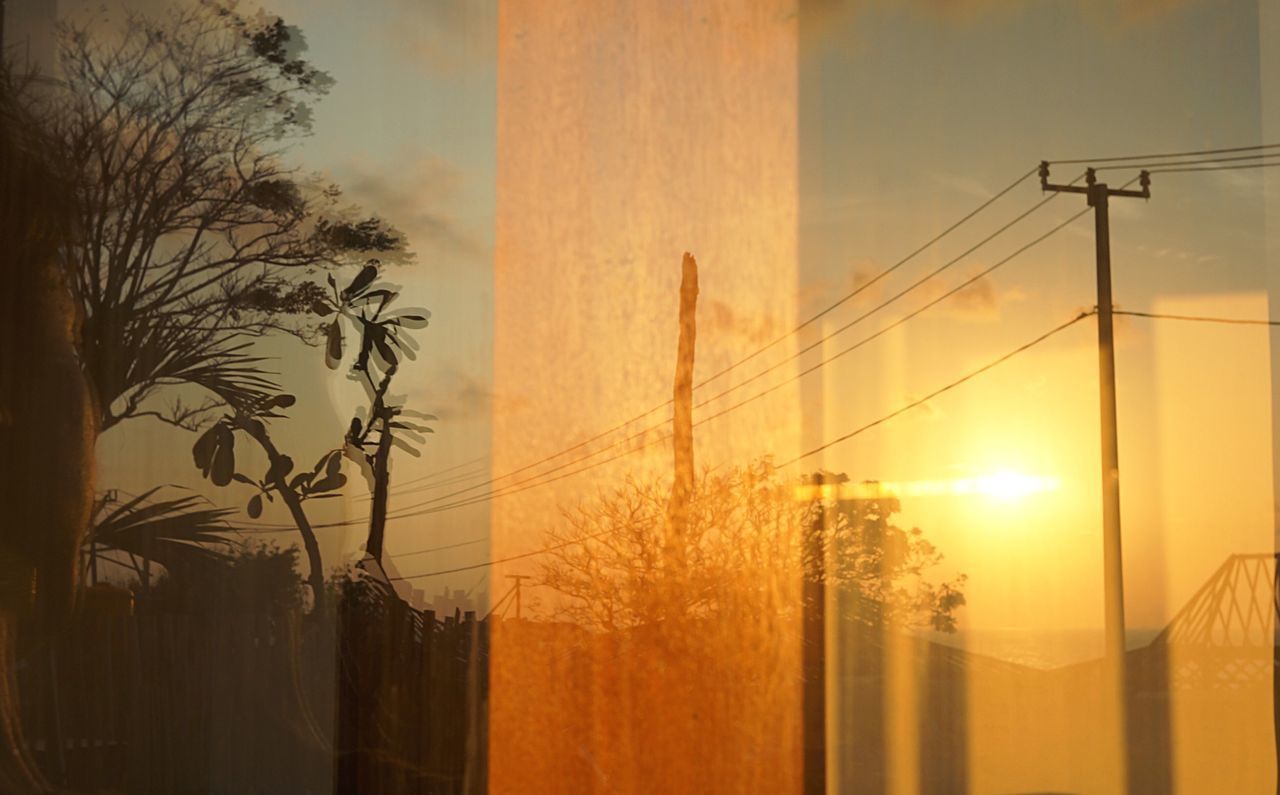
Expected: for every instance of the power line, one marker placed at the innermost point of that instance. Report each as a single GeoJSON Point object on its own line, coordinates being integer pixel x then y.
{"type": "Point", "coordinates": [1199, 318]}
{"type": "Point", "coordinates": [488, 563]}
{"type": "Point", "coordinates": [541, 479]}
{"type": "Point", "coordinates": [1200, 161]}
{"type": "Point", "coordinates": [1268, 164]}
{"type": "Point", "coordinates": [818, 343]}
{"type": "Point", "coordinates": [1178, 168]}
{"type": "Point", "coordinates": [914, 404]}
{"type": "Point", "coordinates": [445, 471]}
{"type": "Point", "coordinates": [399, 555]}
{"type": "Point", "coordinates": [845, 298]}
{"type": "Point", "coordinates": [839, 302]}
{"type": "Point", "coordinates": [1166, 155]}
{"type": "Point", "coordinates": [535, 481]}
{"type": "Point", "coordinates": [953, 291]}
{"type": "Point", "coordinates": [864, 286]}
{"type": "Point", "coordinates": [402, 488]}
{"type": "Point", "coordinates": [911, 288]}
{"type": "Point", "coordinates": [963, 379]}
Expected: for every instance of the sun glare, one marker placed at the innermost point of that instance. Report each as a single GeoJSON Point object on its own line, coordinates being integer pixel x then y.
{"type": "Point", "coordinates": [1004, 486]}
{"type": "Point", "coordinates": [1008, 486]}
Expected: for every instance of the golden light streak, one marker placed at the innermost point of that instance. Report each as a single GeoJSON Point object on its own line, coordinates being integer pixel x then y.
{"type": "Point", "coordinates": [1003, 485]}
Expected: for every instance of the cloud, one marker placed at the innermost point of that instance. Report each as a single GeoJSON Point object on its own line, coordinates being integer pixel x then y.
{"type": "Point", "coordinates": [980, 302]}
{"type": "Point", "coordinates": [459, 396]}
{"type": "Point", "coordinates": [1167, 252]}
{"type": "Point", "coordinates": [445, 37]}
{"type": "Point", "coordinates": [718, 316]}
{"type": "Point", "coordinates": [978, 299]}
{"type": "Point", "coordinates": [1142, 10]}
{"type": "Point", "coordinates": [963, 185]}
{"type": "Point", "coordinates": [414, 198]}
{"type": "Point", "coordinates": [819, 17]}
{"type": "Point", "coordinates": [929, 409]}
{"type": "Point", "coordinates": [456, 394]}
{"type": "Point", "coordinates": [1250, 183]}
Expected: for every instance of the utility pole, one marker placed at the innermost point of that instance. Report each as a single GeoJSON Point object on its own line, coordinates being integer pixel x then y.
{"type": "Point", "coordinates": [1098, 195]}
{"type": "Point", "coordinates": [109, 498]}
{"type": "Point", "coordinates": [519, 578]}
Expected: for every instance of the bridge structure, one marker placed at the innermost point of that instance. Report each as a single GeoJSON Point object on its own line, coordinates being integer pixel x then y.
{"type": "Point", "coordinates": [1225, 635]}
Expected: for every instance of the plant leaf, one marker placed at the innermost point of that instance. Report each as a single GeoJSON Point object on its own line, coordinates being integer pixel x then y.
{"type": "Point", "coordinates": [255, 506]}
{"type": "Point", "coordinates": [412, 321]}
{"type": "Point", "coordinates": [410, 426]}
{"type": "Point", "coordinates": [202, 451]}
{"type": "Point", "coordinates": [333, 350]}
{"type": "Point", "coordinates": [224, 465]}
{"type": "Point", "coordinates": [280, 468]}
{"type": "Point", "coordinates": [384, 350]}
{"type": "Point", "coordinates": [256, 428]}
{"type": "Point", "coordinates": [408, 448]}
{"type": "Point", "coordinates": [281, 401]}
{"type": "Point", "coordinates": [385, 295]}
{"type": "Point", "coordinates": [328, 483]}
{"type": "Point", "coordinates": [362, 280]}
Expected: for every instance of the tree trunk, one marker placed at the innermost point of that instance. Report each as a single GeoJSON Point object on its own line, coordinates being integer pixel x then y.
{"type": "Point", "coordinates": [47, 415]}
{"type": "Point", "coordinates": [381, 483]}
{"type": "Point", "coordinates": [315, 575]}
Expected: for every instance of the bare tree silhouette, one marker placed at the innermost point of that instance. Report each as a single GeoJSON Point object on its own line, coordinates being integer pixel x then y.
{"type": "Point", "coordinates": [195, 232]}
{"type": "Point", "coordinates": [744, 536]}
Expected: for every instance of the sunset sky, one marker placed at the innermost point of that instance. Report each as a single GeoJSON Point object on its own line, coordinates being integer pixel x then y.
{"type": "Point", "coordinates": [550, 163]}
{"type": "Point", "coordinates": [549, 181]}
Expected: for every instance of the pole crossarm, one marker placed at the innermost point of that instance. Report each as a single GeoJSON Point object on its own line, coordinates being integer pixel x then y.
{"type": "Point", "coordinates": [1092, 187]}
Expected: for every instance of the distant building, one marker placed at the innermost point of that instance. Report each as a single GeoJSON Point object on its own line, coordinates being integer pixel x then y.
{"type": "Point", "coordinates": [443, 603]}
{"type": "Point", "coordinates": [446, 602]}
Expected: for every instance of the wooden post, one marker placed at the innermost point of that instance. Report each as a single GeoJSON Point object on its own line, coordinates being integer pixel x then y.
{"type": "Point", "coordinates": [814, 660]}
{"type": "Point", "coordinates": [682, 418]}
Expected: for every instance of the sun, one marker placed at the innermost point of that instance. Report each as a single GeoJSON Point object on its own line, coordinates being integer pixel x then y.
{"type": "Point", "coordinates": [1009, 486]}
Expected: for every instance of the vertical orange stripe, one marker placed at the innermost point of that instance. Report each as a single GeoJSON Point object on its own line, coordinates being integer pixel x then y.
{"type": "Point", "coordinates": [628, 133]}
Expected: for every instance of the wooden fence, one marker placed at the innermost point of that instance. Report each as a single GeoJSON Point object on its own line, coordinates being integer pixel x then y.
{"type": "Point", "coordinates": [412, 695]}
{"type": "Point", "coordinates": [250, 703]}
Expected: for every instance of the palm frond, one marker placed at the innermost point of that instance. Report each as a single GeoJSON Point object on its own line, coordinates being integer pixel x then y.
{"type": "Point", "coordinates": [227, 371]}
{"type": "Point", "coordinates": [171, 532]}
